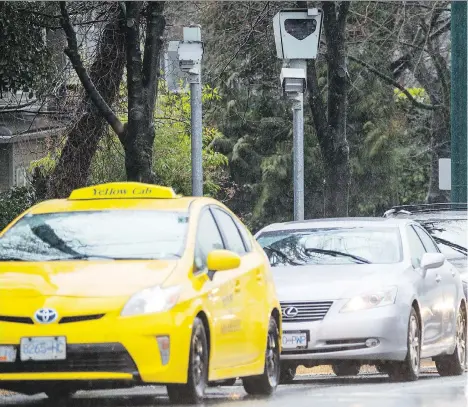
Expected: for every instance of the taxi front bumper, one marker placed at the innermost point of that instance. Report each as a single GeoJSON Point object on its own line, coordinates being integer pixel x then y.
{"type": "Point", "coordinates": [140, 349]}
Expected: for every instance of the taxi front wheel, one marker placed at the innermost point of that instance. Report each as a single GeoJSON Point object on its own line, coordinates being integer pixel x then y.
{"type": "Point", "coordinates": [194, 390]}
{"type": "Point", "coordinates": [266, 383]}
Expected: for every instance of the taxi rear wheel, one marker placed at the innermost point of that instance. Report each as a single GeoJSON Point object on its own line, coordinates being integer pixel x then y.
{"type": "Point", "coordinates": [194, 390]}
{"type": "Point", "coordinates": [266, 383]}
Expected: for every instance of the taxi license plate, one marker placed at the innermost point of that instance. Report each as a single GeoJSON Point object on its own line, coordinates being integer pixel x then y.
{"type": "Point", "coordinates": [43, 348]}
{"type": "Point", "coordinates": [295, 339]}
{"type": "Point", "coordinates": [7, 354]}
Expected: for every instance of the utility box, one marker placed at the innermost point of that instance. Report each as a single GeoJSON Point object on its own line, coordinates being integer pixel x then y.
{"type": "Point", "coordinates": [297, 33]}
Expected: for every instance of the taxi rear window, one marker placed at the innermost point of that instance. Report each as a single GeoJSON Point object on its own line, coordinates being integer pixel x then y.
{"type": "Point", "coordinates": [88, 235]}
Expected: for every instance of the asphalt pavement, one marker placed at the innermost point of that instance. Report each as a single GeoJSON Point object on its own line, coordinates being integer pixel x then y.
{"type": "Point", "coordinates": [306, 391]}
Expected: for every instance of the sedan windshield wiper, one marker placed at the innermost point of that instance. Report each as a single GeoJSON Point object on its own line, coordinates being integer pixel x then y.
{"type": "Point", "coordinates": [337, 253]}
{"type": "Point", "coordinates": [454, 246]}
{"type": "Point", "coordinates": [283, 255]}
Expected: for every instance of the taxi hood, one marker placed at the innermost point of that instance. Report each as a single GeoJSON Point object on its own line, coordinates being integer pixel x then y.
{"type": "Point", "coordinates": [83, 279]}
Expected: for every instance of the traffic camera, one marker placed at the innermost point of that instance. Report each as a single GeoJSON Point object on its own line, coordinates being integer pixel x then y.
{"type": "Point", "coordinates": [190, 51]}
{"type": "Point", "coordinates": [297, 33]}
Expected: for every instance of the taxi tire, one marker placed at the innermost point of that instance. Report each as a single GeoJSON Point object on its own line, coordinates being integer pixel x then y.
{"type": "Point", "coordinates": [266, 383]}
{"type": "Point", "coordinates": [405, 371]}
{"type": "Point", "coordinates": [193, 392]}
{"type": "Point", "coordinates": [454, 364]}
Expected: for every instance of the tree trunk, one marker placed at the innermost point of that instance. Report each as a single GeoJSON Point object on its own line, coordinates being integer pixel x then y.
{"type": "Point", "coordinates": [72, 169]}
{"type": "Point", "coordinates": [143, 80]}
{"type": "Point", "coordinates": [331, 129]}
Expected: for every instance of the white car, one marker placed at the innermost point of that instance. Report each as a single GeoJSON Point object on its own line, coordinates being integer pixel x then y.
{"type": "Point", "coordinates": [359, 291]}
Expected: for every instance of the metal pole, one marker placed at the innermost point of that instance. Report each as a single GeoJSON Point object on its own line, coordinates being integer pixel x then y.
{"type": "Point", "coordinates": [197, 135]}
{"type": "Point", "coordinates": [298, 156]}
{"type": "Point", "coordinates": [458, 104]}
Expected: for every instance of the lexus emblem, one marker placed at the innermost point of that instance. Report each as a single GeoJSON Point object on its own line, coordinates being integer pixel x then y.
{"type": "Point", "coordinates": [45, 315]}
{"type": "Point", "coordinates": [290, 312]}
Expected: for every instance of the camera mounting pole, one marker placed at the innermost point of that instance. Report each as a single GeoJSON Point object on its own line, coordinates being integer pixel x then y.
{"type": "Point", "coordinates": [190, 54]}
{"type": "Point", "coordinates": [297, 38]}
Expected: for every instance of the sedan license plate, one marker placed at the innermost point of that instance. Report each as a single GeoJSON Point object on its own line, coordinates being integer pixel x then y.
{"type": "Point", "coordinates": [295, 339]}
{"type": "Point", "coordinates": [7, 354]}
{"type": "Point", "coordinates": [43, 348]}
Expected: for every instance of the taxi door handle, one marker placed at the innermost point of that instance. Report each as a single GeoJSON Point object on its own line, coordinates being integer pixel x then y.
{"type": "Point", "coordinates": [237, 287]}
{"type": "Point", "coordinates": [259, 275]}
{"type": "Point", "coordinates": [438, 278]}
{"type": "Point", "coordinates": [454, 273]}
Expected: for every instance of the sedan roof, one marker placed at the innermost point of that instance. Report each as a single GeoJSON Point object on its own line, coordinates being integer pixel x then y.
{"type": "Point", "coordinates": [338, 222]}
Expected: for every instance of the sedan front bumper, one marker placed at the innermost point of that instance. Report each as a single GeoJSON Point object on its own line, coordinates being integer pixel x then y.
{"type": "Point", "coordinates": [378, 334]}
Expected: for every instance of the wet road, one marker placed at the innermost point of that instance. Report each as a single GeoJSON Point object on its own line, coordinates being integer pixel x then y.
{"type": "Point", "coordinates": [307, 391]}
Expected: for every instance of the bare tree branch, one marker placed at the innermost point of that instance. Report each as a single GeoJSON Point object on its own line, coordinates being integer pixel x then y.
{"type": "Point", "coordinates": [72, 52]}
{"type": "Point", "coordinates": [391, 81]}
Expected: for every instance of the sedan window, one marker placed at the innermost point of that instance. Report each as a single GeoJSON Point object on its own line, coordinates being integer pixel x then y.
{"type": "Point", "coordinates": [208, 239]}
{"type": "Point", "coordinates": [416, 247]}
{"type": "Point", "coordinates": [340, 245]}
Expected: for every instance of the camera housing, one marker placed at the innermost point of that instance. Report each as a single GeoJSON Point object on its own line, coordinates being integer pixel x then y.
{"type": "Point", "coordinates": [297, 33]}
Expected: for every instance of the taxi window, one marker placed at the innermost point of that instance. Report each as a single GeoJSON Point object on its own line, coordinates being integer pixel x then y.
{"type": "Point", "coordinates": [229, 229]}
{"type": "Point", "coordinates": [208, 239]}
{"type": "Point", "coordinates": [84, 235]}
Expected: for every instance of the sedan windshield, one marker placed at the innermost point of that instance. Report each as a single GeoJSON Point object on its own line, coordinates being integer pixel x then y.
{"type": "Point", "coordinates": [329, 246]}
{"type": "Point", "coordinates": [85, 235]}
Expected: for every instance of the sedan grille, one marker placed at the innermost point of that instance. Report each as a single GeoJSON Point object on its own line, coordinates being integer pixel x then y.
{"type": "Point", "coordinates": [305, 311]}
{"type": "Point", "coordinates": [108, 357]}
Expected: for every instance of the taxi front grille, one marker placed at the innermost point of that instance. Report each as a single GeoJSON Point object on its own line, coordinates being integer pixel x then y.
{"type": "Point", "coordinates": [17, 320]}
{"type": "Point", "coordinates": [108, 357]}
{"type": "Point", "coordinates": [304, 311]}
{"type": "Point", "coordinates": [64, 320]}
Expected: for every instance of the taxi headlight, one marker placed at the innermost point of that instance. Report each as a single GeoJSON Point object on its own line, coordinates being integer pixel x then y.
{"type": "Point", "coordinates": [370, 300]}
{"type": "Point", "coordinates": [151, 300]}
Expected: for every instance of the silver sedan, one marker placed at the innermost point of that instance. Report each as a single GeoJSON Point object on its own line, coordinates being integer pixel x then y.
{"type": "Point", "coordinates": [359, 291]}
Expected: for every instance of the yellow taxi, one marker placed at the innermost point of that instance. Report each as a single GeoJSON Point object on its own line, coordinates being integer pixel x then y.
{"type": "Point", "coordinates": [126, 284]}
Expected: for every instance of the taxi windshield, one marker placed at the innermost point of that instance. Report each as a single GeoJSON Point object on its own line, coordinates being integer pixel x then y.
{"type": "Point", "coordinates": [89, 235]}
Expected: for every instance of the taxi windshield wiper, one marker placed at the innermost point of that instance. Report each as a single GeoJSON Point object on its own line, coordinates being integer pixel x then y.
{"type": "Point", "coordinates": [337, 253]}
{"type": "Point", "coordinates": [282, 255]}
{"type": "Point", "coordinates": [452, 245]}
{"type": "Point", "coordinates": [10, 258]}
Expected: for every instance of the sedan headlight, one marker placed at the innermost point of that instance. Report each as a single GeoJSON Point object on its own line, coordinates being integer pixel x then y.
{"type": "Point", "coordinates": [151, 300]}
{"type": "Point", "coordinates": [370, 300]}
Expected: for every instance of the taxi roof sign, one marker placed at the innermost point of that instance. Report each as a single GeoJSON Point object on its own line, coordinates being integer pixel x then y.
{"type": "Point", "coordinates": [123, 190]}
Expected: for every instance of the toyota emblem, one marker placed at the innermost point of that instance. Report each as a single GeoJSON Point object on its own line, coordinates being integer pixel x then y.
{"type": "Point", "coordinates": [290, 312]}
{"type": "Point", "coordinates": [46, 315]}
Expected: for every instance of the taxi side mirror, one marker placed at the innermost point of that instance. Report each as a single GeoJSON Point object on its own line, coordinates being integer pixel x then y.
{"type": "Point", "coordinates": [221, 260]}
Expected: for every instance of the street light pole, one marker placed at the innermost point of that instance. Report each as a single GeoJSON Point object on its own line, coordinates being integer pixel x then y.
{"type": "Point", "coordinates": [458, 105]}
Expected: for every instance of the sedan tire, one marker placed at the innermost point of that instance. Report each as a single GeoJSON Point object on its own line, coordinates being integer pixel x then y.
{"type": "Point", "coordinates": [408, 370]}
{"type": "Point", "coordinates": [287, 374]}
{"type": "Point", "coordinates": [454, 364]}
{"type": "Point", "coordinates": [343, 369]}
{"type": "Point", "coordinates": [193, 391]}
{"type": "Point", "coordinates": [266, 383]}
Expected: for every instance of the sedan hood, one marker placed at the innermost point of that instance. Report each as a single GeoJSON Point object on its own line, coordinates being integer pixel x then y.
{"type": "Point", "coordinates": [81, 278]}
{"type": "Point", "coordinates": [332, 282]}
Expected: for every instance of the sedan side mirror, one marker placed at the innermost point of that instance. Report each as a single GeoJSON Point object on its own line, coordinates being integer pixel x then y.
{"type": "Point", "coordinates": [221, 260]}
{"type": "Point", "coordinates": [431, 261]}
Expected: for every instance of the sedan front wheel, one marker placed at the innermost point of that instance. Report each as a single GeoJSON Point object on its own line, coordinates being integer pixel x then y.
{"type": "Point", "coordinates": [408, 370]}
{"type": "Point", "coordinates": [454, 364]}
